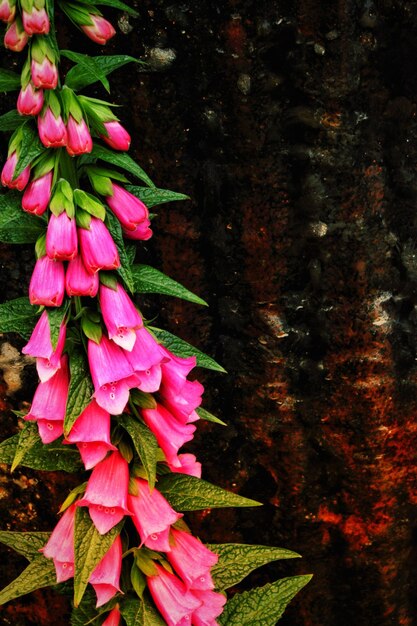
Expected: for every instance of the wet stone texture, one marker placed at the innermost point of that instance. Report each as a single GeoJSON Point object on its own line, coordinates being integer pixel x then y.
{"type": "Point", "coordinates": [292, 126]}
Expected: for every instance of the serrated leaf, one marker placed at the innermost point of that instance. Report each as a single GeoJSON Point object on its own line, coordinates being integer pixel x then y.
{"type": "Point", "coordinates": [39, 573]}
{"type": "Point", "coordinates": [187, 493]}
{"type": "Point", "coordinates": [182, 348]}
{"type": "Point", "coordinates": [90, 67]}
{"type": "Point", "coordinates": [122, 160]}
{"type": "Point", "coordinates": [9, 81]}
{"type": "Point", "coordinates": [17, 226]}
{"type": "Point", "coordinates": [26, 544]}
{"type": "Point", "coordinates": [125, 269]}
{"type": "Point", "coordinates": [262, 606]}
{"type": "Point", "coordinates": [18, 316]}
{"type": "Point", "coordinates": [153, 196]}
{"type": "Point", "coordinates": [203, 414]}
{"type": "Point", "coordinates": [10, 121]}
{"type": "Point", "coordinates": [90, 547]}
{"type": "Point", "coordinates": [28, 437]}
{"type": "Point", "coordinates": [31, 147]}
{"type": "Point", "coordinates": [237, 560]}
{"type": "Point", "coordinates": [80, 389]}
{"type": "Point", "coordinates": [56, 317]}
{"type": "Point", "coordinates": [79, 77]}
{"type": "Point", "coordinates": [147, 279]}
{"type": "Point", "coordinates": [145, 444]}
{"type": "Point", "coordinates": [138, 612]}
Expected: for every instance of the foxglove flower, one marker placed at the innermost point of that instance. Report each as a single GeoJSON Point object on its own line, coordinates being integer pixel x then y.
{"type": "Point", "coordinates": [44, 74]}
{"type": "Point", "coordinates": [79, 282]}
{"type": "Point", "coordinates": [174, 602]}
{"type": "Point", "coordinates": [15, 37]}
{"type": "Point", "coordinates": [100, 30]}
{"type": "Point", "coordinates": [117, 137]}
{"type": "Point", "coordinates": [146, 358]}
{"type": "Point", "coordinates": [48, 359]}
{"type": "Point", "coordinates": [106, 576]}
{"type": "Point", "coordinates": [7, 174]}
{"type": "Point", "coordinates": [113, 618]}
{"type": "Point", "coordinates": [188, 465]}
{"type": "Point", "coordinates": [36, 21]}
{"type": "Point", "coordinates": [106, 493]}
{"type": "Point", "coordinates": [7, 10]}
{"type": "Point", "coordinates": [52, 131]}
{"type": "Point", "coordinates": [169, 432]}
{"type": "Point", "coordinates": [78, 137]}
{"type": "Point", "coordinates": [91, 433]}
{"type": "Point", "coordinates": [211, 607]}
{"type": "Point", "coordinates": [38, 194]}
{"type": "Point", "coordinates": [110, 370]}
{"type": "Point", "coordinates": [179, 395]}
{"type": "Point", "coordinates": [120, 316]}
{"type": "Point", "coordinates": [191, 560]}
{"type": "Point", "coordinates": [98, 249]}
{"type": "Point", "coordinates": [47, 285]}
{"type": "Point", "coordinates": [30, 100]}
{"type": "Point", "coordinates": [130, 211]}
{"type": "Point", "coordinates": [61, 238]}
{"type": "Point", "coordinates": [49, 404]}
{"type": "Point", "coordinates": [152, 516]}
{"type": "Point", "coordinates": [60, 546]}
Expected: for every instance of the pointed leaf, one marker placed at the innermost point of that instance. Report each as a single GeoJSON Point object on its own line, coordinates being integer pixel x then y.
{"type": "Point", "coordinates": [55, 317]}
{"type": "Point", "coordinates": [153, 196]}
{"type": "Point", "coordinates": [147, 279]}
{"type": "Point", "coordinates": [79, 77]}
{"type": "Point", "coordinates": [203, 414]}
{"type": "Point", "coordinates": [145, 444]}
{"type": "Point", "coordinates": [125, 269]}
{"type": "Point", "coordinates": [80, 389]}
{"type": "Point", "coordinates": [18, 316]}
{"type": "Point", "coordinates": [26, 544]}
{"type": "Point", "coordinates": [9, 81]}
{"type": "Point", "coordinates": [17, 226]}
{"type": "Point", "coordinates": [10, 121]}
{"type": "Point", "coordinates": [187, 493]}
{"type": "Point", "coordinates": [89, 65]}
{"type": "Point", "coordinates": [138, 612]}
{"type": "Point", "coordinates": [39, 573]}
{"type": "Point", "coordinates": [28, 437]}
{"type": "Point", "coordinates": [262, 606]}
{"type": "Point", "coordinates": [31, 148]}
{"type": "Point", "coordinates": [117, 4]}
{"type": "Point", "coordinates": [122, 160]}
{"type": "Point", "coordinates": [182, 348]}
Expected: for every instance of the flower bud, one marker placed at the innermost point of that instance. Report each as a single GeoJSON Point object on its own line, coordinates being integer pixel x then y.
{"type": "Point", "coordinates": [37, 194]}
{"type": "Point", "coordinates": [44, 73]}
{"type": "Point", "coordinates": [36, 22]}
{"type": "Point", "coordinates": [113, 618]}
{"type": "Point", "coordinates": [7, 174]}
{"type": "Point", "coordinates": [47, 285]}
{"type": "Point", "coordinates": [7, 10]}
{"type": "Point", "coordinates": [30, 100]}
{"type": "Point", "coordinates": [98, 249]}
{"type": "Point", "coordinates": [130, 211]}
{"type": "Point", "coordinates": [61, 238]}
{"type": "Point", "coordinates": [100, 30]}
{"type": "Point", "coordinates": [15, 38]}
{"type": "Point", "coordinates": [52, 131]}
{"type": "Point", "coordinates": [117, 137]}
{"type": "Point", "coordinates": [78, 137]}
{"type": "Point", "coordinates": [120, 316]}
{"type": "Point", "coordinates": [79, 282]}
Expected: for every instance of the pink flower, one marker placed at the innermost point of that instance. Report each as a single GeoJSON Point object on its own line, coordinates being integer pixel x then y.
{"type": "Point", "coordinates": [106, 493]}
{"type": "Point", "coordinates": [129, 210]}
{"type": "Point", "coordinates": [49, 404]}
{"type": "Point", "coordinates": [15, 37]}
{"type": "Point", "coordinates": [179, 395]}
{"type": "Point", "coordinates": [38, 194]}
{"type": "Point", "coordinates": [120, 316]}
{"type": "Point", "coordinates": [142, 232]}
{"type": "Point", "coordinates": [60, 546]}
{"type": "Point", "coordinates": [113, 618]}
{"type": "Point", "coordinates": [36, 22]}
{"type": "Point", "coordinates": [30, 100]}
{"type": "Point", "coordinates": [189, 465]}
{"type": "Point", "coordinates": [106, 576]}
{"type": "Point", "coordinates": [169, 432]}
{"type": "Point", "coordinates": [117, 138]}
{"type": "Point", "coordinates": [174, 602]}
{"type": "Point", "coordinates": [48, 360]}
{"type": "Point", "coordinates": [191, 560]}
{"type": "Point", "coordinates": [7, 10]}
{"type": "Point", "coordinates": [52, 131]}
{"type": "Point", "coordinates": [152, 516]}
{"type": "Point", "coordinates": [78, 137]}
{"type": "Point", "coordinates": [100, 30]}
{"type": "Point", "coordinates": [61, 237]}
{"type": "Point", "coordinates": [91, 433]}
{"type": "Point", "coordinates": [109, 371]}
{"type": "Point", "coordinates": [44, 74]}
{"type": "Point", "coordinates": [212, 607]}
{"type": "Point", "coordinates": [98, 249]}
{"type": "Point", "coordinates": [78, 282]}
{"type": "Point", "coordinates": [47, 283]}
{"type": "Point", "coordinates": [7, 174]}
{"type": "Point", "coordinates": [146, 358]}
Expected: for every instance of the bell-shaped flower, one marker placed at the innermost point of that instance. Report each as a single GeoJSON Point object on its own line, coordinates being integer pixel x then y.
{"type": "Point", "coordinates": [44, 74]}
{"type": "Point", "coordinates": [49, 404]}
{"type": "Point", "coordinates": [15, 37]}
{"type": "Point", "coordinates": [117, 136]}
{"type": "Point", "coordinates": [47, 285]}
{"type": "Point", "coordinates": [174, 602]}
{"type": "Point", "coordinates": [113, 618]}
{"type": "Point", "coordinates": [30, 100]}
{"type": "Point", "coordinates": [61, 237]}
{"type": "Point", "coordinates": [60, 546]}
{"type": "Point", "coordinates": [146, 358]}
{"type": "Point", "coordinates": [188, 465]}
{"type": "Point", "coordinates": [35, 21]}
{"type": "Point", "coordinates": [109, 369]}
{"type": "Point", "coordinates": [141, 232]}
{"type": "Point", "coordinates": [91, 433]}
{"type": "Point", "coordinates": [191, 560]}
{"type": "Point", "coordinates": [129, 210]}
{"type": "Point", "coordinates": [169, 432]}
{"type": "Point", "coordinates": [98, 249]}
{"type": "Point", "coordinates": [48, 359]}
{"type": "Point", "coordinates": [179, 395]}
{"type": "Point", "coordinates": [78, 137]}
{"type": "Point", "coordinates": [38, 194]}
{"type": "Point", "coordinates": [211, 607]}
{"type": "Point", "coordinates": [120, 316]}
{"type": "Point", "coordinates": [7, 174]}
{"type": "Point", "coordinates": [52, 131]}
{"type": "Point", "coordinates": [99, 30]}
{"type": "Point", "coordinates": [79, 282]}
{"type": "Point", "coordinates": [7, 10]}
{"type": "Point", "coordinates": [152, 516]}
{"type": "Point", "coordinates": [106, 493]}
{"type": "Point", "coordinates": [106, 576]}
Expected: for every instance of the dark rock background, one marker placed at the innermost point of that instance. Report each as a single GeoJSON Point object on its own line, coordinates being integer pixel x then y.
{"type": "Point", "coordinates": [292, 126]}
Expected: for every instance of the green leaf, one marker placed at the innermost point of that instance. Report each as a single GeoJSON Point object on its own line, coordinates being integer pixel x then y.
{"type": "Point", "coordinates": [26, 544]}
{"type": "Point", "coordinates": [11, 120]}
{"type": "Point", "coordinates": [87, 613]}
{"type": "Point", "coordinates": [28, 437]}
{"type": "Point", "coordinates": [18, 316]}
{"type": "Point", "coordinates": [262, 606]}
{"type": "Point", "coordinates": [147, 279]}
{"type": "Point", "coordinates": [89, 203]}
{"type": "Point", "coordinates": [138, 612]}
{"type": "Point", "coordinates": [55, 317]}
{"type": "Point", "coordinates": [182, 348]}
{"type": "Point", "coordinates": [39, 573]}
{"type": "Point", "coordinates": [203, 414]}
{"type": "Point", "coordinates": [237, 560]}
{"type": "Point", "coordinates": [9, 81]}
{"type": "Point", "coordinates": [17, 226]}
{"type": "Point", "coordinates": [90, 67]}
{"type": "Point", "coordinates": [117, 4]}
{"type": "Point", "coordinates": [125, 269]}
{"type": "Point", "coordinates": [80, 389]}
{"type": "Point", "coordinates": [145, 444]}
{"type": "Point", "coordinates": [31, 147]}
{"type": "Point", "coordinates": [90, 547]}
{"type": "Point", "coordinates": [79, 76]}
{"type": "Point", "coordinates": [187, 493]}
{"type": "Point", "coordinates": [121, 160]}
{"type": "Point", "coordinates": [152, 197]}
